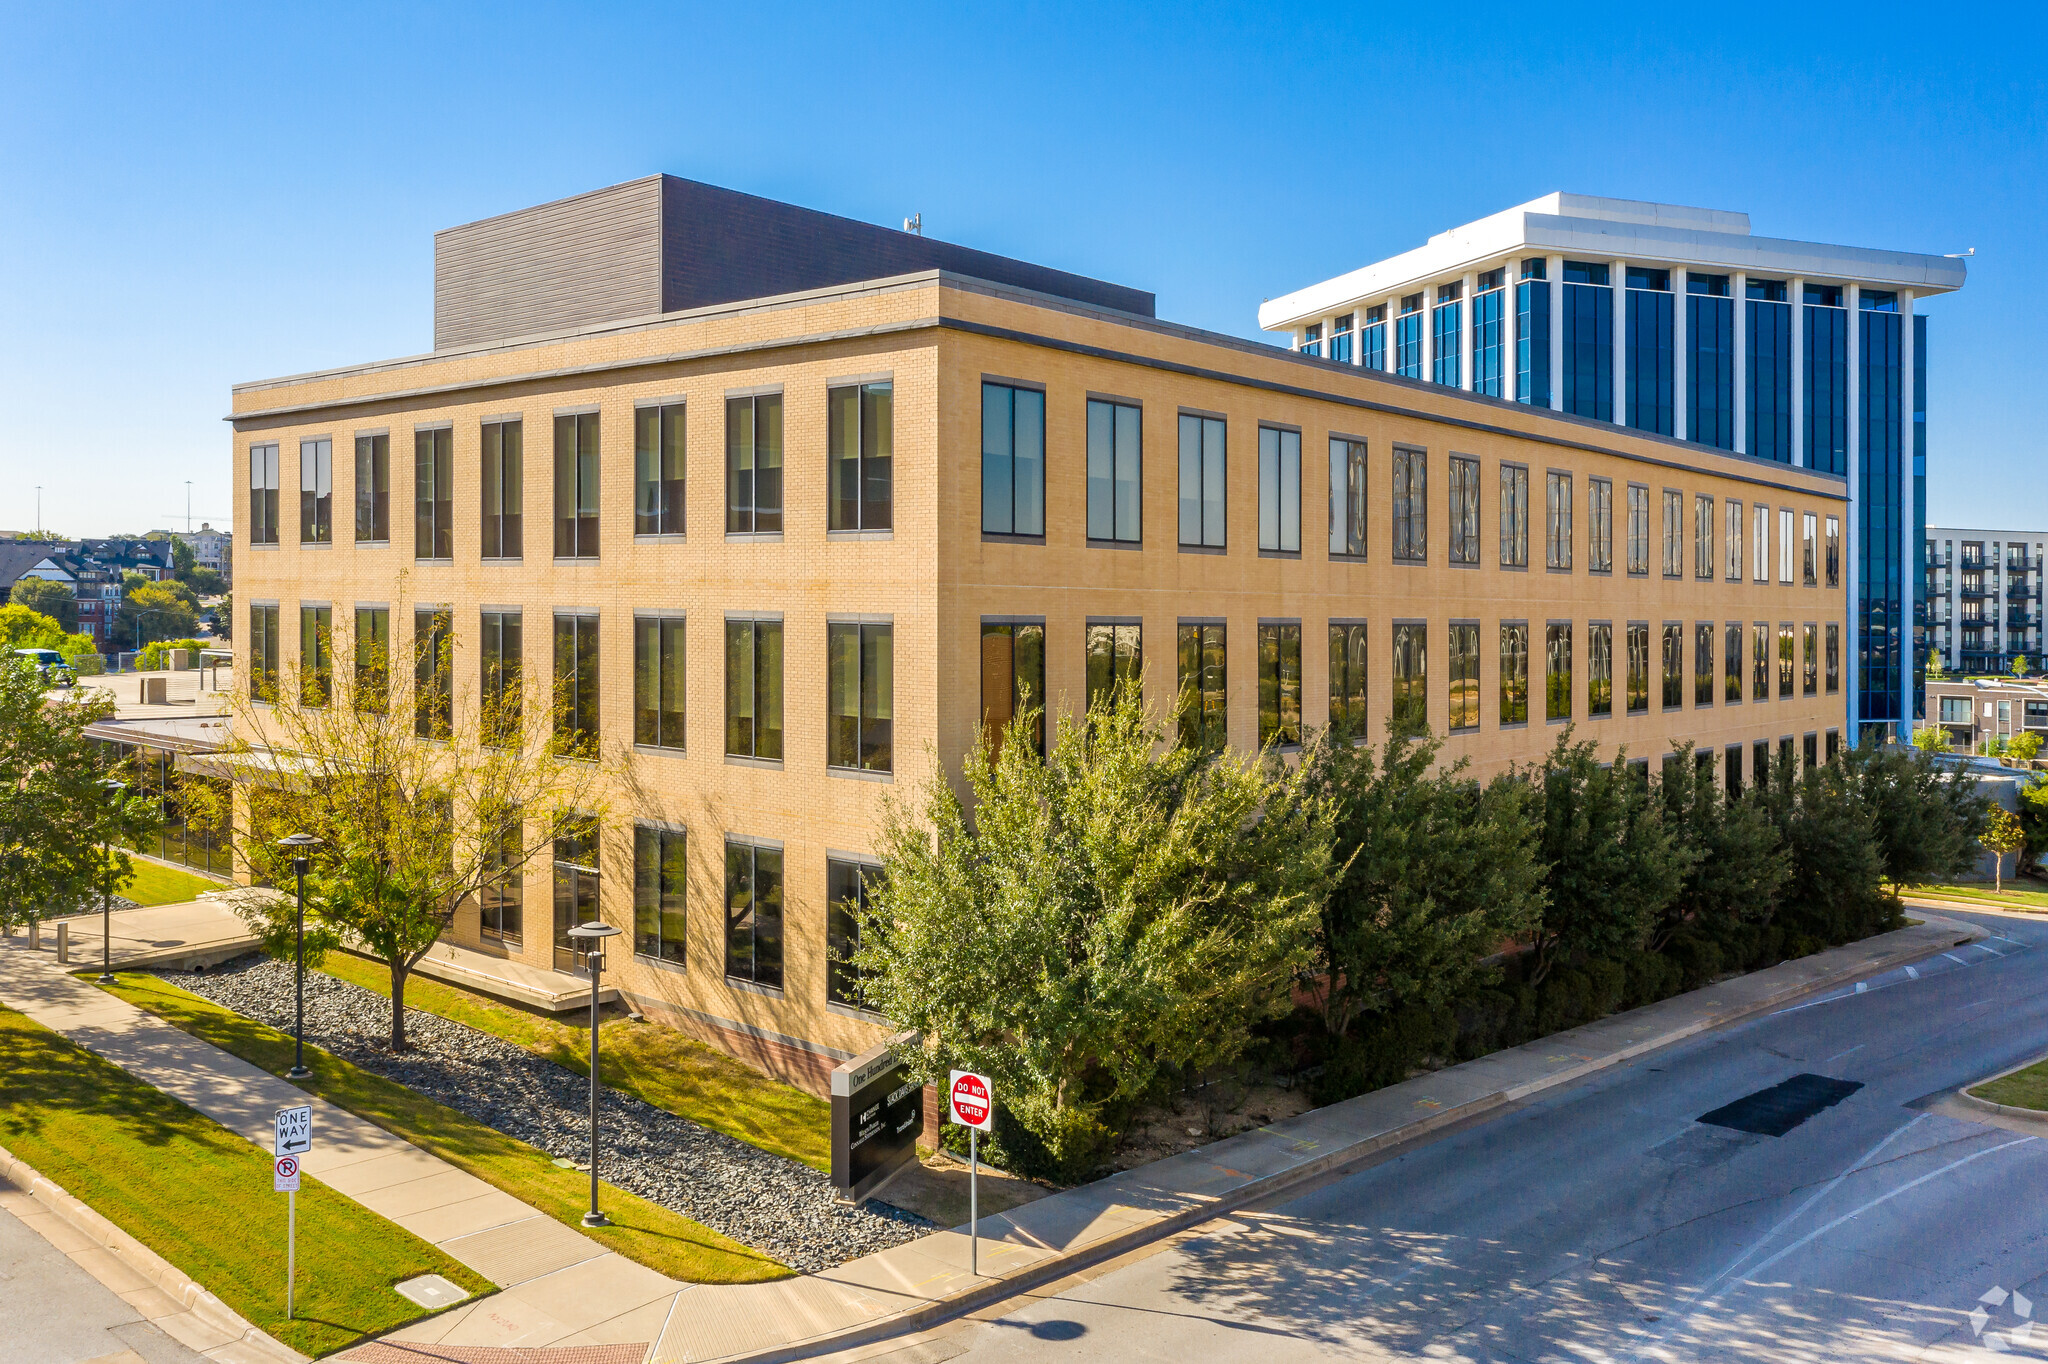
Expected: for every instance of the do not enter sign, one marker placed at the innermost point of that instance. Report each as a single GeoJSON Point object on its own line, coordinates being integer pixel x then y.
{"type": "Point", "coordinates": [973, 1104]}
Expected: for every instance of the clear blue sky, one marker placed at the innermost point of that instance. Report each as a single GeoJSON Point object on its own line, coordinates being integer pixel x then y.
{"type": "Point", "coordinates": [193, 195]}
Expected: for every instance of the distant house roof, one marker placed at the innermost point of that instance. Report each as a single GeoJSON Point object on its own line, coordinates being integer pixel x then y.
{"type": "Point", "coordinates": [18, 558]}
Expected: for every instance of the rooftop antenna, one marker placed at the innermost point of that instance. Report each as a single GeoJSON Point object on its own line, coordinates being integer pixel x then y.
{"type": "Point", "coordinates": [188, 506]}
{"type": "Point", "coordinates": [914, 224]}
{"type": "Point", "coordinates": [1960, 255]}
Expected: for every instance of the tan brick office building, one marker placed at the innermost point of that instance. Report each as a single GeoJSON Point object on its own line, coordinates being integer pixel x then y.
{"type": "Point", "coordinates": [796, 543]}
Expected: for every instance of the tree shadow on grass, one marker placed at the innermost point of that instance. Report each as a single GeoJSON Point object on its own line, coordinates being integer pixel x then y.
{"type": "Point", "coordinates": [43, 1075]}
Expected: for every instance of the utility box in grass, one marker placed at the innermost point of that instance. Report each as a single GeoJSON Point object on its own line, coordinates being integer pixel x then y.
{"type": "Point", "coordinates": [877, 1117]}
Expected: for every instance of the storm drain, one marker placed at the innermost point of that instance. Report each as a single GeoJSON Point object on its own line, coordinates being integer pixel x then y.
{"type": "Point", "coordinates": [1775, 1111]}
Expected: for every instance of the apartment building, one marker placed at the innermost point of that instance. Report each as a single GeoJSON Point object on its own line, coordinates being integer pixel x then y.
{"type": "Point", "coordinates": [1973, 711]}
{"type": "Point", "coordinates": [1983, 594]}
{"type": "Point", "coordinates": [799, 507]}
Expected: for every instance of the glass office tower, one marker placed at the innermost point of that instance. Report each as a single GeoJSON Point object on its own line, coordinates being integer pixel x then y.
{"type": "Point", "coordinates": [1880, 578]}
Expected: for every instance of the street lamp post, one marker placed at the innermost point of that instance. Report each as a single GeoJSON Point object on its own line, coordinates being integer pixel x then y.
{"type": "Point", "coordinates": [593, 934]}
{"type": "Point", "coordinates": [300, 844]}
{"type": "Point", "coordinates": [115, 790]}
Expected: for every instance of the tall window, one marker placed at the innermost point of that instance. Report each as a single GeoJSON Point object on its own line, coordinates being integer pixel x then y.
{"type": "Point", "coordinates": [576, 728]}
{"type": "Point", "coordinates": [1411, 505]}
{"type": "Point", "coordinates": [1408, 338]}
{"type": "Point", "coordinates": [1340, 338]}
{"type": "Point", "coordinates": [1201, 480]}
{"type": "Point", "coordinates": [1599, 669]}
{"type": "Point", "coordinates": [263, 494]}
{"type": "Point", "coordinates": [433, 662]}
{"type": "Point", "coordinates": [753, 913]}
{"type": "Point", "coordinates": [1204, 698]}
{"type": "Point", "coordinates": [1279, 684]}
{"type": "Point", "coordinates": [1647, 339]}
{"type": "Point", "coordinates": [576, 888]}
{"type": "Point", "coordinates": [1733, 535]}
{"type": "Point", "coordinates": [660, 468]}
{"type": "Point", "coordinates": [861, 445]}
{"type": "Point", "coordinates": [504, 489]}
{"type": "Point", "coordinates": [316, 491]}
{"type": "Point", "coordinates": [1411, 678]}
{"type": "Point", "coordinates": [1532, 334]}
{"type": "Point", "coordinates": [1826, 379]}
{"type": "Point", "coordinates": [1514, 673]}
{"type": "Point", "coordinates": [1809, 654]}
{"type": "Point", "coordinates": [1347, 678]}
{"type": "Point", "coordinates": [1372, 338]}
{"type": "Point", "coordinates": [1013, 461]}
{"type": "Point", "coordinates": [1114, 660]}
{"type": "Point", "coordinates": [1768, 374]}
{"type": "Point", "coordinates": [1514, 516]}
{"type": "Point", "coordinates": [373, 488]}
{"type": "Point", "coordinates": [263, 649]}
{"type": "Point", "coordinates": [1557, 504]}
{"type": "Point", "coordinates": [1761, 544]}
{"type": "Point", "coordinates": [503, 672]}
{"type": "Point", "coordinates": [373, 658]}
{"type": "Point", "coordinates": [1674, 533]}
{"type": "Point", "coordinates": [1710, 361]}
{"type": "Point", "coordinates": [1588, 340]}
{"type": "Point", "coordinates": [433, 501]}
{"type": "Point", "coordinates": [753, 465]}
{"type": "Point", "coordinates": [1810, 540]}
{"type": "Point", "coordinates": [1638, 529]}
{"type": "Point", "coordinates": [1347, 498]}
{"type": "Point", "coordinates": [1785, 546]}
{"type": "Point", "coordinates": [1012, 679]}
{"type": "Point", "coordinates": [1834, 551]}
{"type": "Point", "coordinates": [753, 688]}
{"type": "Point", "coordinates": [1279, 490]}
{"type": "Point", "coordinates": [1600, 525]}
{"type": "Point", "coordinates": [1674, 665]}
{"type": "Point", "coordinates": [316, 654]}
{"type": "Point", "coordinates": [659, 695]}
{"type": "Point", "coordinates": [1489, 349]}
{"type": "Point", "coordinates": [1464, 674]}
{"type": "Point", "coordinates": [501, 901]}
{"type": "Point", "coordinates": [660, 893]}
{"type": "Point", "coordinates": [1447, 326]}
{"type": "Point", "coordinates": [1834, 658]}
{"type": "Point", "coordinates": [1760, 662]}
{"type": "Point", "coordinates": [1115, 458]}
{"type": "Point", "coordinates": [846, 897]}
{"type": "Point", "coordinates": [1787, 663]}
{"type": "Point", "coordinates": [1703, 536]}
{"type": "Point", "coordinates": [1703, 663]}
{"type": "Point", "coordinates": [576, 472]}
{"type": "Point", "coordinates": [1731, 662]}
{"type": "Point", "coordinates": [1557, 671]}
{"type": "Point", "coordinates": [1638, 667]}
{"type": "Point", "coordinates": [1464, 500]}
{"type": "Point", "coordinates": [860, 701]}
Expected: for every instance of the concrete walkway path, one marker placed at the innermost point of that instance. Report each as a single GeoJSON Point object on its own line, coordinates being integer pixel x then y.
{"type": "Point", "coordinates": [154, 937]}
{"type": "Point", "coordinates": [560, 1286]}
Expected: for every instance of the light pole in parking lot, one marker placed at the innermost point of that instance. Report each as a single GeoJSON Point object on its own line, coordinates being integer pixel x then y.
{"type": "Point", "coordinates": [591, 936]}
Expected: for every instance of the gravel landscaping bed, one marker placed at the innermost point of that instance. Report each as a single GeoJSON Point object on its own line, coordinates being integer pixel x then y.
{"type": "Point", "coordinates": [775, 1205]}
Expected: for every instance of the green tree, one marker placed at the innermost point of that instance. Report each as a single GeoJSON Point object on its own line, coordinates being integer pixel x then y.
{"type": "Point", "coordinates": [55, 817]}
{"type": "Point", "coordinates": [1925, 817]}
{"type": "Point", "coordinates": [2025, 746]}
{"type": "Point", "coordinates": [206, 582]}
{"type": "Point", "coordinates": [1739, 864]}
{"type": "Point", "coordinates": [409, 829]}
{"type": "Point", "coordinates": [1611, 867]}
{"type": "Point", "coordinates": [1437, 872]}
{"type": "Point", "coordinates": [1836, 892]}
{"type": "Point", "coordinates": [182, 560]}
{"type": "Point", "coordinates": [2034, 819]}
{"type": "Point", "coordinates": [56, 600]}
{"type": "Point", "coordinates": [2019, 665]}
{"type": "Point", "coordinates": [1932, 739]}
{"type": "Point", "coordinates": [170, 614]}
{"type": "Point", "coordinates": [1935, 669]}
{"type": "Point", "coordinates": [1119, 912]}
{"type": "Point", "coordinates": [22, 628]}
{"type": "Point", "coordinates": [2002, 834]}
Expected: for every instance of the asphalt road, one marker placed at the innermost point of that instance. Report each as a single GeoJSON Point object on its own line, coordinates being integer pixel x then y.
{"type": "Point", "coordinates": [53, 1312]}
{"type": "Point", "coordinates": [1606, 1223]}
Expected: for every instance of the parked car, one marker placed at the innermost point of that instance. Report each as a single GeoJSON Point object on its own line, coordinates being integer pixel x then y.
{"type": "Point", "coordinates": [56, 672]}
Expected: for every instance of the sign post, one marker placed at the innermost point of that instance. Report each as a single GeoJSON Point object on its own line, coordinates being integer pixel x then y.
{"type": "Point", "coordinates": [294, 1137]}
{"type": "Point", "coordinates": [974, 1108]}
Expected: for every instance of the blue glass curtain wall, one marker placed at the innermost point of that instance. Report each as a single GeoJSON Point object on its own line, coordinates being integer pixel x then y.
{"type": "Point", "coordinates": [1372, 346]}
{"type": "Point", "coordinates": [1827, 389]}
{"type": "Point", "coordinates": [1881, 628]}
{"type": "Point", "coordinates": [1489, 343]}
{"type": "Point", "coordinates": [1532, 342]}
{"type": "Point", "coordinates": [1408, 345]}
{"type": "Point", "coordinates": [1710, 370]}
{"type": "Point", "coordinates": [1589, 349]}
{"type": "Point", "coordinates": [1919, 516]}
{"type": "Point", "coordinates": [1648, 376]}
{"type": "Point", "coordinates": [1450, 343]}
{"type": "Point", "coordinates": [1769, 379]}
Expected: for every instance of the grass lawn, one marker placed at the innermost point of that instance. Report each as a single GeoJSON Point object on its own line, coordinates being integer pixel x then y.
{"type": "Point", "coordinates": [199, 1195]}
{"type": "Point", "coordinates": [2011, 897]}
{"type": "Point", "coordinates": [2022, 1089]}
{"type": "Point", "coordinates": [158, 885]}
{"type": "Point", "coordinates": [643, 1231]}
{"type": "Point", "coordinates": [659, 1065]}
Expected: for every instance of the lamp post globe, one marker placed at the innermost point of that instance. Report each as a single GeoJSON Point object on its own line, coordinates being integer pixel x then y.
{"type": "Point", "coordinates": [115, 791]}
{"type": "Point", "coordinates": [590, 937]}
{"type": "Point", "coordinates": [300, 845]}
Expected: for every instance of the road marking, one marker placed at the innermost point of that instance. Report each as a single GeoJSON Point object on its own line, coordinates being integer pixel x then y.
{"type": "Point", "coordinates": [1861, 986]}
{"type": "Point", "coordinates": [1840, 1054]}
{"type": "Point", "coordinates": [1912, 973]}
{"type": "Point", "coordinates": [1956, 959]}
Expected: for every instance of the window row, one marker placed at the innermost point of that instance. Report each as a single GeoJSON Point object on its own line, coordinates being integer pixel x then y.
{"type": "Point", "coordinates": [859, 462]}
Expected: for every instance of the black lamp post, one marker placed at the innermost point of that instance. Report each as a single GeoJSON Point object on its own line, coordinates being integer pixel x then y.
{"type": "Point", "coordinates": [115, 790]}
{"type": "Point", "coordinates": [300, 844]}
{"type": "Point", "coordinates": [593, 936]}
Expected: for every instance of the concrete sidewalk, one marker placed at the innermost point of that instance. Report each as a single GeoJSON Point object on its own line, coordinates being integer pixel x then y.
{"type": "Point", "coordinates": [560, 1286]}
{"type": "Point", "coordinates": [155, 937]}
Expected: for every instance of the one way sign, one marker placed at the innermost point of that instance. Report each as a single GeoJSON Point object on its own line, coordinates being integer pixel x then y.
{"type": "Point", "coordinates": [294, 1131]}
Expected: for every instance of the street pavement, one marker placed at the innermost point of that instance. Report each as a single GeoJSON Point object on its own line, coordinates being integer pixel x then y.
{"type": "Point", "coordinates": [1604, 1221]}
{"type": "Point", "coordinates": [53, 1312]}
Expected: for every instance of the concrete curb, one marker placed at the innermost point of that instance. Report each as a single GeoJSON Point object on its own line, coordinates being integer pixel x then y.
{"type": "Point", "coordinates": [173, 1282]}
{"type": "Point", "coordinates": [2030, 1115]}
{"type": "Point", "coordinates": [1258, 1190]}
